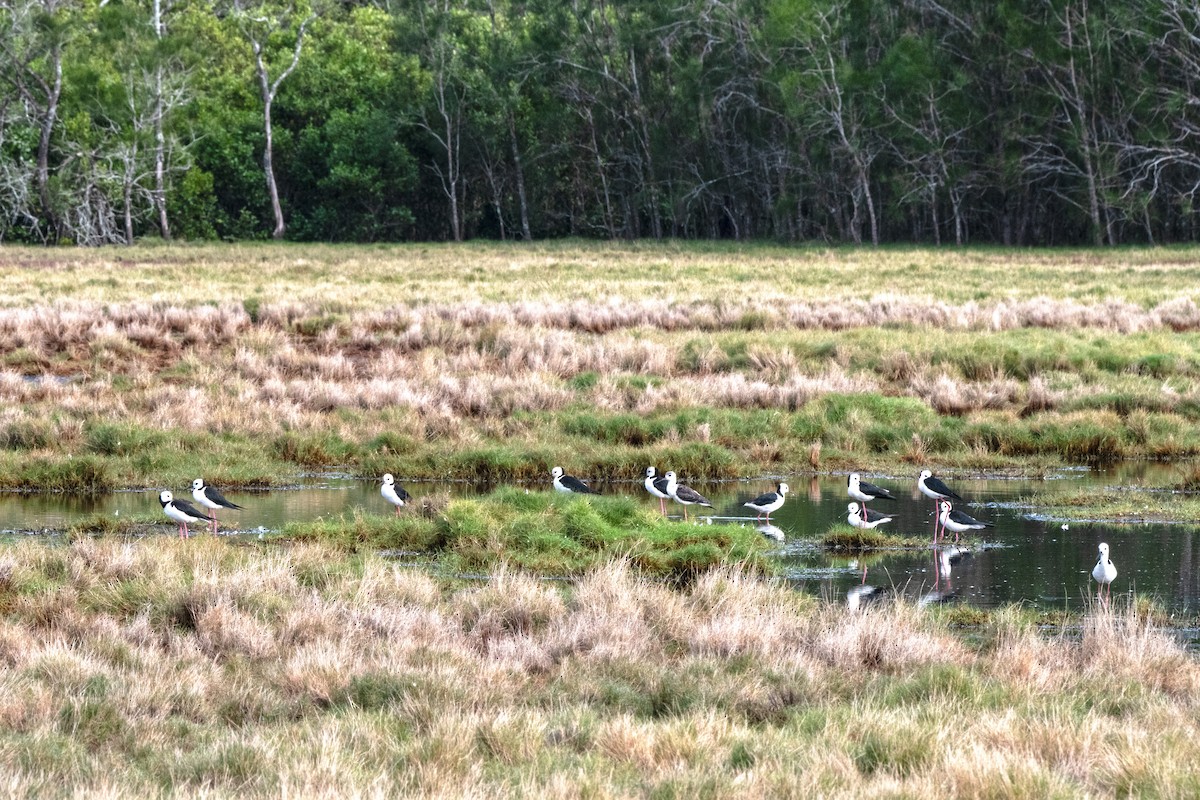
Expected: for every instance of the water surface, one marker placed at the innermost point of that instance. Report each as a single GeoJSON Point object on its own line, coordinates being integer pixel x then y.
{"type": "Point", "coordinates": [1025, 558]}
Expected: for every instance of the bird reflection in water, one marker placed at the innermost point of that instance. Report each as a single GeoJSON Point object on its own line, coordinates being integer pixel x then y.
{"type": "Point", "coordinates": [770, 531]}
{"type": "Point", "coordinates": [945, 561]}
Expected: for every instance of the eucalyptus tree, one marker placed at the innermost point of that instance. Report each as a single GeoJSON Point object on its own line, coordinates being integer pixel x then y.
{"type": "Point", "coordinates": [829, 81]}
{"type": "Point", "coordinates": [447, 36]}
{"type": "Point", "coordinates": [275, 32]}
{"type": "Point", "coordinates": [34, 35]}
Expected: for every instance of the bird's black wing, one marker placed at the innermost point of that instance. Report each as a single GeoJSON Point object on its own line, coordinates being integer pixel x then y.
{"type": "Point", "coordinates": [576, 485]}
{"type": "Point", "coordinates": [191, 510]}
{"type": "Point", "coordinates": [218, 498]}
{"type": "Point", "coordinates": [764, 499]}
{"type": "Point", "coordinates": [876, 492]}
{"type": "Point", "coordinates": [661, 484]}
{"type": "Point", "coordinates": [690, 495]}
{"type": "Point", "coordinates": [875, 516]}
{"type": "Point", "coordinates": [936, 485]}
{"type": "Point", "coordinates": [966, 519]}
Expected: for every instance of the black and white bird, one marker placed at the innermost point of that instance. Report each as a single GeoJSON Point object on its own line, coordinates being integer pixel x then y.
{"type": "Point", "coordinates": [569, 483]}
{"type": "Point", "coordinates": [865, 517]}
{"type": "Point", "coordinates": [934, 488]}
{"type": "Point", "coordinates": [957, 521]}
{"type": "Point", "coordinates": [860, 490]}
{"type": "Point", "coordinates": [210, 498]}
{"type": "Point", "coordinates": [394, 493]}
{"type": "Point", "coordinates": [1105, 572]}
{"type": "Point", "coordinates": [181, 511]}
{"type": "Point", "coordinates": [656, 485]}
{"type": "Point", "coordinates": [684, 494]}
{"type": "Point", "coordinates": [767, 502]}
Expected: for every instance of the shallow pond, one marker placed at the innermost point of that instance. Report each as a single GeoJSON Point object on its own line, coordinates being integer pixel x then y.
{"type": "Point", "coordinates": [1025, 558]}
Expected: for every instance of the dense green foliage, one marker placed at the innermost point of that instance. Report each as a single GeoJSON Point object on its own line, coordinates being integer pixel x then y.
{"type": "Point", "coordinates": [1019, 122]}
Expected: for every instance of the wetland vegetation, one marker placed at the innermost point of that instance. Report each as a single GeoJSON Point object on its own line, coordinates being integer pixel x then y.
{"type": "Point", "coordinates": [197, 668]}
{"type": "Point", "coordinates": [663, 659]}
{"type": "Point", "coordinates": [492, 362]}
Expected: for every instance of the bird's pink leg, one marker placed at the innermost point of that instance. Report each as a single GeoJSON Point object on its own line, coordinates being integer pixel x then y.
{"type": "Point", "coordinates": [214, 523]}
{"type": "Point", "coordinates": [397, 511]}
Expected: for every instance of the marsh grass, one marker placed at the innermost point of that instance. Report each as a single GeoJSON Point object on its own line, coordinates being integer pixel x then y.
{"type": "Point", "coordinates": [1132, 504]}
{"type": "Point", "coordinates": [331, 359]}
{"type": "Point", "coordinates": [846, 538]}
{"type": "Point", "coordinates": [197, 668]}
{"type": "Point", "coordinates": [514, 528]}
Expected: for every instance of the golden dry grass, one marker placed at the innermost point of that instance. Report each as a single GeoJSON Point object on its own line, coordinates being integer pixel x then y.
{"type": "Point", "coordinates": [198, 669]}
{"type": "Point", "coordinates": [449, 349]}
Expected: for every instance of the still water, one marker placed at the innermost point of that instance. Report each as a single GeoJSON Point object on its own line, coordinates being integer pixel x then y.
{"type": "Point", "coordinates": [1026, 558]}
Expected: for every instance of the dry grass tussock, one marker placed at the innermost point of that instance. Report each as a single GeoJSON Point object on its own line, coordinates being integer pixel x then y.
{"type": "Point", "coordinates": [526, 336]}
{"type": "Point", "coordinates": [211, 369]}
{"type": "Point", "coordinates": [202, 668]}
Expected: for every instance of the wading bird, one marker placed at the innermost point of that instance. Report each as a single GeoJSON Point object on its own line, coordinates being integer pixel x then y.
{"type": "Point", "coordinates": [657, 486]}
{"type": "Point", "coordinates": [957, 521]}
{"type": "Point", "coordinates": [684, 495]}
{"type": "Point", "coordinates": [210, 498]}
{"type": "Point", "coordinates": [934, 488]}
{"type": "Point", "coordinates": [862, 491]}
{"type": "Point", "coordinates": [767, 502]}
{"type": "Point", "coordinates": [181, 511]}
{"type": "Point", "coordinates": [1105, 572]}
{"type": "Point", "coordinates": [865, 518]}
{"type": "Point", "coordinates": [393, 493]}
{"type": "Point", "coordinates": [569, 483]}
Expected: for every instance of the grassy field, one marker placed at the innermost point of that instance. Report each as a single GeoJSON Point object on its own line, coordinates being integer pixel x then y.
{"type": "Point", "coordinates": [127, 368]}
{"type": "Point", "coordinates": [171, 668]}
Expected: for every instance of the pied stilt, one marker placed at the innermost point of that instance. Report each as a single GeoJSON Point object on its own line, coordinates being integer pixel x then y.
{"type": "Point", "coordinates": [957, 521]}
{"type": "Point", "coordinates": [767, 502]}
{"type": "Point", "coordinates": [181, 511]}
{"type": "Point", "coordinates": [862, 491]}
{"type": "Point", "coordinates": [393, 492]}
{"type": "Point", "coordinates": [210, 498]}
{"type": "Point", "coordinates": [569, 483]}
{"type": "Point", "coordinates": [684, 495]}
{"type": "Point", "coordinates": [657, 486]}
{"type": "Point", "coordinates": [865, 518]}
{"type": "Point", "coordinates": [1105, 572]}
{"type": "Point", "coordinates": [934, 488]}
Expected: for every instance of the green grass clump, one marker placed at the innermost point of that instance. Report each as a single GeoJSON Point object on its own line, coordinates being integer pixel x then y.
{"type": "Point", "coordinates": [83, 475]}
{"type": "Point", "coordinates": [547, 534]}
{"type": "Point", "coordinates": [842, 536]}
{"type": "Point", "coordinates": [370, 532]}
{"type": "Point", "coordinates": [110, 525]}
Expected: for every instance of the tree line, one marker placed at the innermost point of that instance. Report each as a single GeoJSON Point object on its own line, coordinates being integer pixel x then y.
{"type": "Point", "coordinates": [1020, 122]}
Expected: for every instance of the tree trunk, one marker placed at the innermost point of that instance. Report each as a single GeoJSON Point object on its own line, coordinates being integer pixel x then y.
{"type": "Point", "coordinates": [269, 169]}
{"type": "Point", "coordinates": [520, 170]}
{"type": "Point", "coordinates": [44, 134]}
{"type": "Point", "coordinates": [160, 146]}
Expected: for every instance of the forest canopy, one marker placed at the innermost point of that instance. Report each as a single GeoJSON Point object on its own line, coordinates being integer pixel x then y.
{"type": "Point", "coordinates": [1022, 122]}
